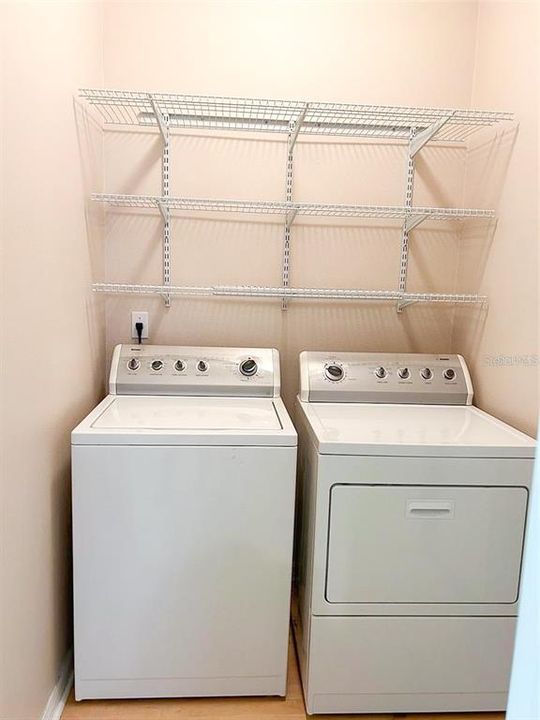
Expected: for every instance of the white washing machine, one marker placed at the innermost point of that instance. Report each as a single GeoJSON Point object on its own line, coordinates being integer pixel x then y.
{"type": "Point", "coordinates": [183, 509]}
{"type": "Point", "coordinates": [413, 510]}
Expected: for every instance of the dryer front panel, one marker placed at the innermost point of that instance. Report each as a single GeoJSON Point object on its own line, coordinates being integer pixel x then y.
{"type": "Point", "coordinates": [428, 536]}
{"type": "Point", "coordinates": [417, 544]}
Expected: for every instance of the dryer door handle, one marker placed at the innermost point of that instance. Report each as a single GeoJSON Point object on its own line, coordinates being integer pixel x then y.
{"type": "Point", "coordinates": [430, 509]}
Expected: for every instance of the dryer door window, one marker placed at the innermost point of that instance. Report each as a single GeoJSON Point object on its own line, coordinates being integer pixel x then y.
{"type": "Point", "coordinates": [418, 544]}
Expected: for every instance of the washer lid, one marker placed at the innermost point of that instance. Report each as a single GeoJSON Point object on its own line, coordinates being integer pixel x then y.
{"type": "Point", "coordinates": [166, 420]}
{"type": "Point", "coordinates": [365, 429]}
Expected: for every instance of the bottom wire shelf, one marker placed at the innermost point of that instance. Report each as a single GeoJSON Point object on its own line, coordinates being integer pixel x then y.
{"type": "Point", "coordinates": [286, 292]}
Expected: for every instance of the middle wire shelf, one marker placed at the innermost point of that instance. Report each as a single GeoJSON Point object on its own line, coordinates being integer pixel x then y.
{"type": "Point", "coordinates": [291, 209]}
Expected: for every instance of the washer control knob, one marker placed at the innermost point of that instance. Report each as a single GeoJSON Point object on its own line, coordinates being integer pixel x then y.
{"type": "Point", "coordinates": [380, 373]}
{"type": "Point", "coordinates": [180, 365]}
{"type": "Point", "coordinates": [134, 364]}
{"type": "Point", "coordinates": [404, 373]}
{"type": "Point", "coordinates": [334, 372]}
{"type": "Point", "coordinates": [157, 365]}
{"type": "Point", "coordinates": [449, 374]}
{"type": "Point", "coordinates": [248, 367]}
{"type": "Point", "coordinates": [426, 373]}
{"type": "Point", "coordinates": [202, 366]}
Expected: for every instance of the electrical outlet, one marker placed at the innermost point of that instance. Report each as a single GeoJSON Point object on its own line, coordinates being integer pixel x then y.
{"type": "Point", "coordinates": [139, 316]}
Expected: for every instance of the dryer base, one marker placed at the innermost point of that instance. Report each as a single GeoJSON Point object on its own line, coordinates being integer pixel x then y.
{"type": "Point", "coordinates": [405, 664]}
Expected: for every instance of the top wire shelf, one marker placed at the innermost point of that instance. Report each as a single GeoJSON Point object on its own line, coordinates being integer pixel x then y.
{"type": "Point", "coordinates": [139, 109]}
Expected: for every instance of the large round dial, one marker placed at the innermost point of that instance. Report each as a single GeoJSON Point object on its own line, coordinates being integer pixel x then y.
{"type": "Point", "coordinates": [202, 366]}
{"type": "Point", "coordinates": [248, 367]}
{"type": "Point", "coordinates": [134, 364]}
{"type": "Point", "coordinates": [334, 372]}
{"type": "Point", "coordinates": [157, 365]}
{"type": "Point", "coordinates": [449, 374]}
{"type": "Point", "coordinates": [426, 373]}
{"type": "Point", "coordinates": [404, 373]}
{"type": "Point", "coordinates": [380, 373]}
{"type": "Point", "coordinates": [179, 365]}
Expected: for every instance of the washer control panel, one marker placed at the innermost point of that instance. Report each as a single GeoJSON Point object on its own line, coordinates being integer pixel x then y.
{"type": "Point", "coordinates": [171, 370]}
{"type": "Point", "coordinates": [408, 378]}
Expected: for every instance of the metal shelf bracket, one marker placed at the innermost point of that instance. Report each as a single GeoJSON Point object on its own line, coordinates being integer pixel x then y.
{"type": "Point", "coordinates": [164, 210]}
{"type": "Point", "coordinates": [403, 304]}
{"type": "Point", "coordinates": [162, 121]}
{"type": "Point", "coordinates": [412, 222]}
{"type": "Point", "coordinates": [420, 139]}
{"type": "Point", "coordinates": [290, 217]}
{"type": "Point", "coordinates": [297, 125]}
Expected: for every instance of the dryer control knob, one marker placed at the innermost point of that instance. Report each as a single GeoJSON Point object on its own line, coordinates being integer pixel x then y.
{"type": "Point", "coordinates": [202, 366]}
{"type": "Point", "coordinates": [248, 367]}
{"type": "Point", "coordinates": [179, 365]}
{"type": "Point", "coordinates": [334, 372]}
{"type": "Point", "coordinates": [449, 374]}
{"type": "Point", "coordinates": [134, 364]}
{"type": "Point", "coordinates": [404, 373]}
{"type": "Point", "coordinates": [157, 365]}
{"type": "Point", "coordinates": [426, 373]}
{"type": "Point", "coordinates": [380, 373]}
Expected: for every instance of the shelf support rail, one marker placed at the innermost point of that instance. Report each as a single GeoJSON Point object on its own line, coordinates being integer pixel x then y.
{"type": "Point", "coordinates": [163, 122]}
{"type": "Point", "coordinates": [294, 128]}
{"type": "Point", "coordinates": [409, 223]}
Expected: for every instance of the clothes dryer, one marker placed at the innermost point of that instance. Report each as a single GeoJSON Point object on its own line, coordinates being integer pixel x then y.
{"type": "Point", "coordinates": [413, 506]}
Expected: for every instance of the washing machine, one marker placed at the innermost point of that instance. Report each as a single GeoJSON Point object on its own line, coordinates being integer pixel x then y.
{"type": "Point", "coordinates": [413, 505]}
{"type": "Point", "coordinates": [183, 512]}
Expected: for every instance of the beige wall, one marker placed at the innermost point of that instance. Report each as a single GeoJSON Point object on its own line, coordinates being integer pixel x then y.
{"type": "Point", "coordinates": [502, 345]}
{"type": "Point", "coordinates": [372, 52]}
{"type": "Point", "coordinates": [51, 330]}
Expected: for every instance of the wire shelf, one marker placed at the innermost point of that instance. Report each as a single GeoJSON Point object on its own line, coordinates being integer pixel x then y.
{"type": "Point", "coordinates": [138, 109]}
{"type": "Point", "coordinates": [287, 292]}
{"type": "Point", "coordinates": [287, 208]}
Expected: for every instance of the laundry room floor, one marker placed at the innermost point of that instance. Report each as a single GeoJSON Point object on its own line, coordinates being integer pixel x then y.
{"type": "Point", "coordinates": [289, 708]}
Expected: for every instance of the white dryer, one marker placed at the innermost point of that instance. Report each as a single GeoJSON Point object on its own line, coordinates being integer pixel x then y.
{"type": "Point", "coordinates": [183, 508]}
{"type": "Point", "coordinates": [413, 506]}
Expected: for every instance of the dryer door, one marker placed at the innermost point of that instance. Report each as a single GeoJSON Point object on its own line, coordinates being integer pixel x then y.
{"type": "Point", "coordinates": [418, 544]}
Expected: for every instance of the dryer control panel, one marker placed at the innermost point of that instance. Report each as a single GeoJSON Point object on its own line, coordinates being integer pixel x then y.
{"type": "Point", "coordinates": [408, 378]}
{"type": "Point", "coordinates": [195, 371]}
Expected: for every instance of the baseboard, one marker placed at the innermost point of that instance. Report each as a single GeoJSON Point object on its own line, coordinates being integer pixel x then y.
{"type": "Point", "coordinates": [60, 692]}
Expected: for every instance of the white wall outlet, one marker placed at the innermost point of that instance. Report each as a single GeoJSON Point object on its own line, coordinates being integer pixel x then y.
{"type": "Point", "coordinates": [139, 316]}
